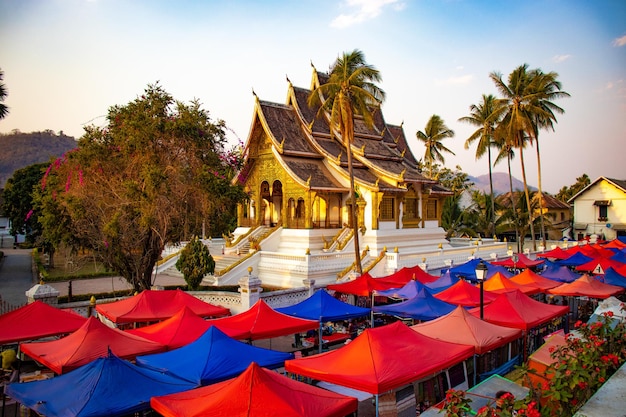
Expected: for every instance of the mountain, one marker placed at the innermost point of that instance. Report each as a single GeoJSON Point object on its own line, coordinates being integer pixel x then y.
{"type": "Point", "coordinates": [19, 150]}
{"type": "Point", "coordinates": [500, 183]}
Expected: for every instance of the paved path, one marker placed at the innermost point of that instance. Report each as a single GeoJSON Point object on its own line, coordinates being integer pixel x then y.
{"type": "Point", "coordinates": [16, 275]}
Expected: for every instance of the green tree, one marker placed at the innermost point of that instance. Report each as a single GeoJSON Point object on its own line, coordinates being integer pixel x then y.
{"type": "Point", "coordinates": [18, 200]}
{"type": "Point", "coordinates": [565, 193]}
{"type": "Point", "coordinates": [484, 116]}
{"type": "Point", "coordinates": [148, 178]}
{"type": "Point", "coordinates": [4, 110]}
{"type": "Point", "coordinates": [194, 262]}
{"type": "Point", "coordinates": [434, 132]}
{"type": "Point", "coordinates": [350, 90]}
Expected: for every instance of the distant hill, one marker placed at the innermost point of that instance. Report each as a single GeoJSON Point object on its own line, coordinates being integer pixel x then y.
{"type": "Point", "coordinates": [500, 183]}
{"type": "Point", "coordinates": [19, 150]}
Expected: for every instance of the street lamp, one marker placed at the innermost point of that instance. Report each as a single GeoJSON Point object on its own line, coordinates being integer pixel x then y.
{"type": "Point", "coordinates": [481, 274]}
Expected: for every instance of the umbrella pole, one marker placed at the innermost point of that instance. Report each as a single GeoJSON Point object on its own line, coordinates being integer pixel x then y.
{"type": "Point", "coordinates": [320, 337]}
{"type": "Point", "coordinates": [376, 405]}
{"type": "Point", "coordinates": [372, 308]}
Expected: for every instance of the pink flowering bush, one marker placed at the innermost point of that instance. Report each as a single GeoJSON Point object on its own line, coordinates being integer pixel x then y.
{"type": "Point", "coordinates": [581, 366]}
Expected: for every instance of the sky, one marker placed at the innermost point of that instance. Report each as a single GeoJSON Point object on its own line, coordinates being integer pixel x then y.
{"type": "Point", "coordinates": [65, 62]}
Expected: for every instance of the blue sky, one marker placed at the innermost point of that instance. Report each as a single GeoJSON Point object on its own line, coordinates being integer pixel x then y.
{"type": "Point", "coordinates": [66, 62]}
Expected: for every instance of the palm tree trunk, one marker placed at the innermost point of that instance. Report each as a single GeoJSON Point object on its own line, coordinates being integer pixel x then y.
{"type": "Point", "coordinates": [353, 211]}
{"type": "Point", "coordinates": [529, 207]}
{"type": "Point", "coordinates": [493, 207]}
{"type": "Point", "coordinates": [513, 207]}
{"type": "Point", "coordinates": [543, 230]}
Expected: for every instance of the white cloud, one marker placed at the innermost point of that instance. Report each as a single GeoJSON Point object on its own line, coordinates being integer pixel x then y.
{"type": "Point", "coordinates": [462, 79]}
{"type": "Point", "coordinates": [561, 58]}
{"type": "Point", "coordinates": [365, 10]}
{"type": "Point", "coordinates": [620, 41]}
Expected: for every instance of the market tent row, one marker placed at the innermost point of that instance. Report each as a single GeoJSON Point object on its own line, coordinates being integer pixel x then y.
{"type": "Point", "coordinates": [257, 392]}
{"type": "Point", "coordinates": [388, 357]}
{"type": "Point", "coordinates": [498, 284]}
{"type": "Point", "coordinates": [528, 277]}
{"type": "Point", "coordinates": [91, 341]}
{"type": "Point", "coordinates": [213, 357]}
{"type": "Point", "coordinates": [156, 305]}
{"type": "Point", "coordinates": [516, 309]}
{"type": "Point", "coordinates": [519, 261]}
{"type": "Point", "coordinates": [106, 387]}
{"type": "Point", "coordinates": [37, 320]}
{"type": "Point", "coordinates": [467, 270]}
{"type": "Point", "coordinates": [465, 294]}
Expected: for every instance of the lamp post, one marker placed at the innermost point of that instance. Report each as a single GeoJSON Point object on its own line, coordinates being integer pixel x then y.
{"type": "Point", "coordinates": [481, 273]}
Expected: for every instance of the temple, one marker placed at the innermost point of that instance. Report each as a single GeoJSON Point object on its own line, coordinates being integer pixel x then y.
{"type": "Point", "coordinates": [296, 175]}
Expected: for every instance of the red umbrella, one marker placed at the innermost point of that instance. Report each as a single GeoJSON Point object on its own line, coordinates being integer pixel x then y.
{"type": "Point", "coordinates": [522, 262]}
{"type": "Point", "coordinates": [599, 265]}
{"type": "Point", "coordinates": [556, 253]}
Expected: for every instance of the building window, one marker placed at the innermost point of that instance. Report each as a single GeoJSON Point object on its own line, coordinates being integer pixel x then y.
{"type": "Point", "coordinates": [431, 209]}
{"type": "Point", "coordinates": [387, 208]}
{"type": "Point", "coordinates": [603, 213]}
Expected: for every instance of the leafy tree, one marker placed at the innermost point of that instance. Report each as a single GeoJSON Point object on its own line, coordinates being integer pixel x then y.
{"type": "Point", "coordinates": [350, 90]}
{"type": "Point", "coordinates": [484, 116]}
{"type": "Point", "coordinates": [434, 132]}
{"type": "Point", "coordinates": [4, 110]}
{"type": "Point", "coordinates": [456, 181]}
{"type": "Point", "coordinates": [195, 261]}
{"type": "Point", "coordinates": [149, 178]}
{"type": "Point", "coordinates": [18, 200]}
{"type": "Point", "coordinates": [565, 193]}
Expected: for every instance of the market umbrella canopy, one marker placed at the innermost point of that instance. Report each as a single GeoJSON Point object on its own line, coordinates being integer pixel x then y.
{"type": "Point", "coordinates": [157, 305]}
{"type": "Point", "coordinates": [181, 329]}
{"type": "Point", "coordinates": [262, 322]}
{"type": "Point", "coordinates": [560, 273]}
{"type": "Point", "coordinates": [612, 277]}
{"type": "Point", "coordinates": [91, 341]}
{"type": "Point", "coordinates": [587, 286]}
{"type": "Point", "coordinates": [213, 357]}
{"type": "Point", "coordinates": [575, 259]}
{"type": "Point", "coordinates": [443, 282]}
{"type": "Point", "coordinates": [35, 321]}
{"type": "Point", "coordinates": [256, 392]}
{"type": "Point", "coordinates": [323, 307]}
{"type": "Point", "coordinates": [516, 309]}
{"type": "Point", "coordinates": [423, 306]}
{"type": "Point", "coordinates": [461, 327]}
{"type": "Point", "coordinates": [465, 294]}
{"type": "Point", "coordinates": [522, 262]}
{"type": "Point", "coordinates": [556, 253]}
{"type": "Point", "coordinates": [409, 290]}
{"type": "Point", "coordinates": [365, 284]}
{"type": "Point", "coordinates": [382, 359]}
{"type": "Point", "coordinates": [498, 283]}
{"type": "Point", "coordinates": [528, 277]}
{"type": "Point", "coordinates": [406, 274]}
{"type": "Point", "coordinates": [108, 386]}
{"type": "Point", "coordinates": [599, 265]}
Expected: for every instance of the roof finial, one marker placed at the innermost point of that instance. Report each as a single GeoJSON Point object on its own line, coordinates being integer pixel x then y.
{"type": "Point", "coordinates": [287, 77]}
{"type": "Point", "coordinates": [253, 93]}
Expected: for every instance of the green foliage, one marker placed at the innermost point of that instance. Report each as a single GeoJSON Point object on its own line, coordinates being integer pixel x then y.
{"type": "Point", "coordinates": [565, 193]}
{"type": "Point", "coordinates": [580, 368]}
{"type": "Point", "coordinates": [151, 177]}
{"type": "Point", "coordinates": [4, 110]}
{"type": "Point", "coordinates": [432, 136]}
{"type": "Point", "coordinates": [18, 200]}
{"type": "Point", "coordinates": [195, 261]}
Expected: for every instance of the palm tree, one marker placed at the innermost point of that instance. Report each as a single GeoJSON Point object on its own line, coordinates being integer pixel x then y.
{"type": "Point", "coordinates": [4, 110]}
{"type": "Point", "coordinates": [485, 116]}
{"type": "Point", "coordinates": [434, 132]}
{"type": "Point", "coordinates": [506, 151]}
{"type": "Point", "coordinates": [349, 91]}
{"type": "Point", "coordinates": [517, 125]}
{"type": "Point", "coordinates": [547, 89]}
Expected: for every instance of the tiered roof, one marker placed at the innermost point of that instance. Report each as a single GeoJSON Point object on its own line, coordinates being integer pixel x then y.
{"type": "Point", "coordinates": [302, 142]}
